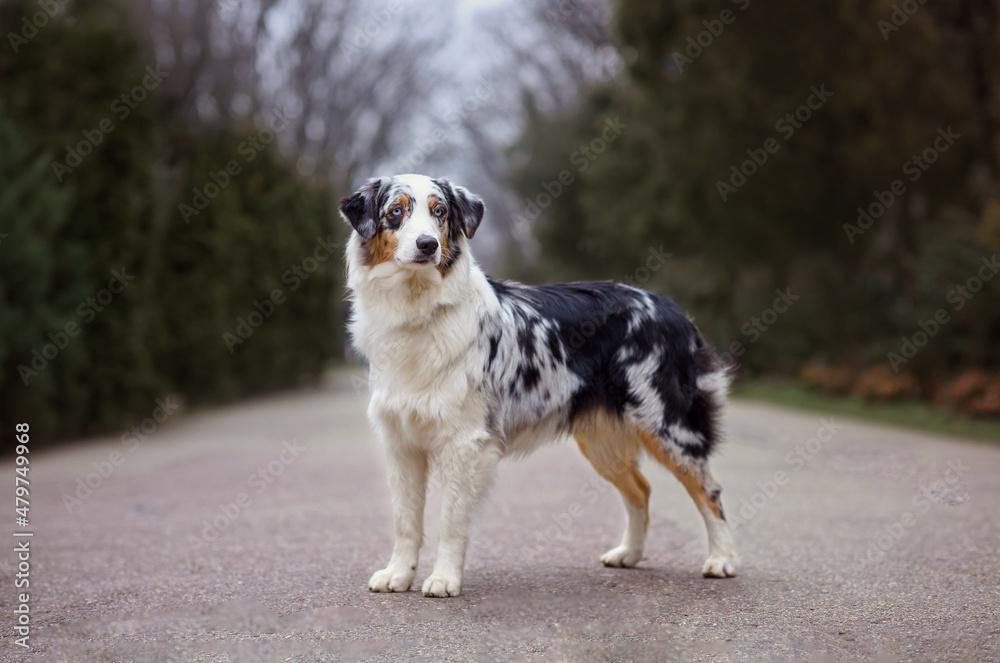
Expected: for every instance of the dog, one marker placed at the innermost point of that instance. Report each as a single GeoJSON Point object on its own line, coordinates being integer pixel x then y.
{"type": "Point", "coordinates": [465, 370]}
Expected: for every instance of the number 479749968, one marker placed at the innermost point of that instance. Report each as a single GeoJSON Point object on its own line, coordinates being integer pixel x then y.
{"type": "Point", "coordinates": [21, 502]}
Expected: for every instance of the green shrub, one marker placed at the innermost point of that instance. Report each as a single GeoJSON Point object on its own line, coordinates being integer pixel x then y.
{"type": "Point", "coordinates": [89, 199]}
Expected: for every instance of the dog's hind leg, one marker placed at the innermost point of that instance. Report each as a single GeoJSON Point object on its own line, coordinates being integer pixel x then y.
{"type": "Point", "coordinates": [408, 484]}
{"type": "Point", "coordinates": [613, 451]}
{"type": "Point", "coordinates": [694, 474]}
{"type": "Point", "coordinates": [467, 469]}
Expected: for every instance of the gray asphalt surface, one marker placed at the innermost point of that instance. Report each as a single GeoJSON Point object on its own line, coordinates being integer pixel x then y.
{"type": "Point", "coordinates": [833, 568]}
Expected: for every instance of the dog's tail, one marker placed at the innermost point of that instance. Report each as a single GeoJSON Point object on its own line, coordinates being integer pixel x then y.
{"type": "Point", "coordinates": [711, 386]}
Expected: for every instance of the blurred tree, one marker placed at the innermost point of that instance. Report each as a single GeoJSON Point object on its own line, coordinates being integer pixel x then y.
{"type": "Point", "coordinates": [258, 269]}
{"type": "Point", "coordinates": [821, 112]}
{"type": "Point", "coordinates": [110, 299]}
{"type": "Point", "coordinates": [64, 90]}
{"type": "Point", "coordinates": [338, 70]}
{"type": "Point", "coordinates": [39, 286]}
{"type": "Point", "coordinates": [557, 48]}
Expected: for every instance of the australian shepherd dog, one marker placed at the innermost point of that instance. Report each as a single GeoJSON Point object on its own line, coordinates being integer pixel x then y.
{"type": "Point", "coordinates": [465, 370]}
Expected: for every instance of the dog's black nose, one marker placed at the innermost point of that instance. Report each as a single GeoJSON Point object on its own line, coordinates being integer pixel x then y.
{"type": "Point", "coordinates": [427, 244]}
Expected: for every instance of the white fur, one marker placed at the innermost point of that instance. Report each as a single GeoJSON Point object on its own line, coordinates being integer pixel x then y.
{"type": "Point", "coordinates": [629, 551]}
{"type": "Point", "coordinates": [715, 383]}
{"type": "Point", "coordinates": [722, 559]}
{"type": "Point", "coordinates": [416, 329]}
{"type": "Point", "coordinates": [650, 408]}
{"type": "Point", "coordinates": [420, 222]}
{"type": "Point", "coordinates": [524, 431]}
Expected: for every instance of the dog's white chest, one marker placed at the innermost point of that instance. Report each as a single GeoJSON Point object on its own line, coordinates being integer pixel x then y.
{"type": "Point", "coordinates": [424, 379]}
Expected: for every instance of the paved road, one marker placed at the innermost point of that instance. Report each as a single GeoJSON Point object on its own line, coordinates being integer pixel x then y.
{"type": "Point", "coordinates": [214, 540]}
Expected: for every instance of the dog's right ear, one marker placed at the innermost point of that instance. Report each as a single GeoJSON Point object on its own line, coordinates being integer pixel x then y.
{"type": "Point", "coordinates": [360, 209]}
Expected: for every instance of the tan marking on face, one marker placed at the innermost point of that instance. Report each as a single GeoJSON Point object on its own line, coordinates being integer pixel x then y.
{"type": "Point", "coordinates": [380, 248]}
{"type": "Point", "coordinates": [433, 202]}
{"type": "Point", "coordinates": [445, 252]}
{"type": "Point", "coordinates": [402, 201]}
{"type": "Point", "coordinates": [693, 484]}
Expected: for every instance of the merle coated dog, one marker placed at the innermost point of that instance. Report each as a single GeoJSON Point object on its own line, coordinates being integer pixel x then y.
{"type": "Point", "coordinates": [466, 370]}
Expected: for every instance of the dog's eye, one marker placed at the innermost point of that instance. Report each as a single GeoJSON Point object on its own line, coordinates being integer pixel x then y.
{"type": "Point", "coordinates": [396, 212]}
{"type": "Point", "coordinates": [439, 212]}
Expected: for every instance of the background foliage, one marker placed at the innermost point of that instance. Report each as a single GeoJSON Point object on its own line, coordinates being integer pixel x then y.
{"type": "Point", "coordinates": [691, 119]}
{"type": "Point", "coordinates": [118, 210]}
{"type": "Point", "coordinates": [513, 100]}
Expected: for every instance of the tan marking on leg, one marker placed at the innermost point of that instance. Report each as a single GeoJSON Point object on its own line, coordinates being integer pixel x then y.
{"type": "Point", "coordinates": [693, 483]}
{"type": "Point", "coordinates": [612, 448]}
{"type": "Point", "coordinates": [612, 451]}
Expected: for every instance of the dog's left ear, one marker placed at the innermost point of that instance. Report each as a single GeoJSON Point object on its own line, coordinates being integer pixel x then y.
{"type": "Point", "coordinates": [468, 207]}
{"type": "Point", "coordinates": [360, 209]}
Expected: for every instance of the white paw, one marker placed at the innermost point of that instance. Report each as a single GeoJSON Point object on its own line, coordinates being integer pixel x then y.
{"type": "Point", "coordinates": [443, 585]}
{"type": "Point", "coordinates": [622, 556]}
{"type": "Point", "coordinates": [392, 579]}
{"type": "Point", "coordinates": [720, 566]}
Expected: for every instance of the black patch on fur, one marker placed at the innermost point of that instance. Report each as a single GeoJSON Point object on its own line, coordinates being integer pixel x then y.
{"type": "Point", "coordinates": [555, 346]}
{"type": "Point", "coordinates": [530, 377]}
{"type": "Point", "coordinates": [361, 208]}
{"type": "Point", "coordinates": [705, 413]}
{"type": "Point", "coordinates": [526, 340]}
{"type": "Point", "coordinates": [465, 210]}
{"type": "Point", "coordinates": [598, 330]}
{"type": "Point", "coordinates": [494, 348]}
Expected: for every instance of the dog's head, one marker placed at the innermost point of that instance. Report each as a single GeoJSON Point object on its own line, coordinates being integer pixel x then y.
{"type": "Point", "coordinates": [412, 221]}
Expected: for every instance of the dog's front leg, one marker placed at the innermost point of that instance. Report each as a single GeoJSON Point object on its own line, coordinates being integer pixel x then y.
{"type": "Point", "coordinates": [467, 469]}
{"type": "Point", "coordinates": [408, 484]}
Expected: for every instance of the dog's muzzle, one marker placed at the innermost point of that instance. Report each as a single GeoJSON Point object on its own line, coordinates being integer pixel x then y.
{"type": "Point", "coordinates": [427, 246]}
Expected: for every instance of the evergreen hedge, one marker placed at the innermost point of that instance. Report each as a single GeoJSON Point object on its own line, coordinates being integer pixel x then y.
{"type": "Point", "coordinates": [109, 297]}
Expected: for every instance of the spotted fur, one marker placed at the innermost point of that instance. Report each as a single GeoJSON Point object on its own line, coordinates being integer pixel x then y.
{"type": "Point", "coordinates": [465, 370]}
